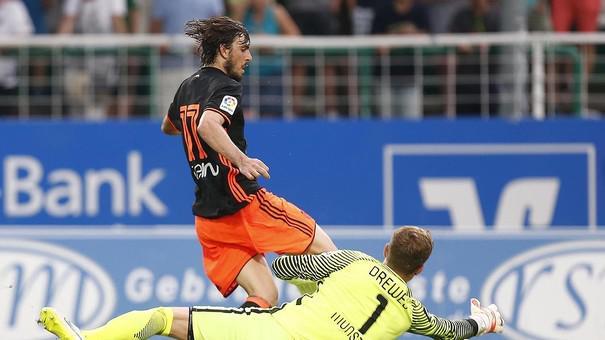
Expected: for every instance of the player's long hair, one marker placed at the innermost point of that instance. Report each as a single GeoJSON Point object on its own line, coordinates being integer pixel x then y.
{"type": "Point", "coordinates": [410, 247]}
{"type": "Point", "coordinates": [212, 33]}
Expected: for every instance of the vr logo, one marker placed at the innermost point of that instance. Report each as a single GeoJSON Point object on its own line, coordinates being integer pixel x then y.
{"type": "Point", "coordinates": [507, 186]}
{"type": "Point", "coordinates": [535, 197]}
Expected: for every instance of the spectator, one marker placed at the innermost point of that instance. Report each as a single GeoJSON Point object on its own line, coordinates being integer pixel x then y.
{"type": "Point", "coordinates": [14, 22]}
{"type": "Point", "coordinates": [476, 17]}
{"type": "Point", "coordinates": [401, 17]}
{"type": "Point", "coordinates": [440, 13]}
{"type": "Point", "coordinates": [314, 17]}
{"type": "Point", "coordinates": [138, 70]}
{"type": "Point", "coordinates": [344, 13]}
{"type": "Point", "coordinates": [265, 17]}
{"type": "Point", "coordinates": [362, 15]}
{"type": "Point", "coordinates": [539, 20]}
{"type": "Point", "coordinates": [36, 9]}
{"type": "Point", "coordinates": [44, 14]}
{"type": "Point", "coordinates": [93, 17]}
{"type": "Point", "coordinates": [538, 15]}
{"type": "Point", "coordinates": [169, 17]}
{"type": "Point", "coordinates": [581, 15]}
{"type": "Point", "coordinates": [472, 96]}
{"type": "Point", "coordinates": [135, 16]}
{"type": "Point", "coordinates": [317, 18]}
{"type": "Point", "coordinates": [237, 8]}
{"type": "Point", "coordinates": [53, 13]}
{"type": "Point", "coordinates": [100, 76]}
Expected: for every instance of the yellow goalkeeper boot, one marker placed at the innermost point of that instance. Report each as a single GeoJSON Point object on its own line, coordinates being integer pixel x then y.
{"type": "Point", "coordinates": [55, 323]}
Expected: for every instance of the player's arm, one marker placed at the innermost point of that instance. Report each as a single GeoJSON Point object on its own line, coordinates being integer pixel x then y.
{"type": "Point", "coordinates": [210, 129]}
{"type": "Point", "coordinates": [481, 321]}
{"type": "Point", "coordinates": [171, 124]}
{"type": "Point", "coordinates": [169, 128]}
{"type": "Point", "coordinates": [314, 267]}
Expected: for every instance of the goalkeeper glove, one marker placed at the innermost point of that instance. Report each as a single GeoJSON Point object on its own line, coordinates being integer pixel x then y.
{"type": "Point", "coordinates": [488, 318]}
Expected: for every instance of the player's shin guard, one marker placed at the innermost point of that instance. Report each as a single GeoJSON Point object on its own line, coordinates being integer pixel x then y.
{"type": "Point", "coordinates": [135, 325]}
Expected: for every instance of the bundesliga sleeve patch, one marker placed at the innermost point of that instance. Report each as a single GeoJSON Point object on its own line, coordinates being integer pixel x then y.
{"type": "Point", "coordinates": [229, 104]}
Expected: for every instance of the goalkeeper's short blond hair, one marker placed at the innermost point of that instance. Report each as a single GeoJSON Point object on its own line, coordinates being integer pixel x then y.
{"type": "Point", "coordinates": [410, 247]}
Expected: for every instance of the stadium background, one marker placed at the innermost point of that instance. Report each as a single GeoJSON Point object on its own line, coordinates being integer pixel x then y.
{"type": "Point", "coordinates": [95, 215]}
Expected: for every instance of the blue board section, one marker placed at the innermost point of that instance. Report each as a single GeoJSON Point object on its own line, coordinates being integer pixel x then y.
{"type": "Point", "coordinates": [548, 285]}
{"type": "Point", "coordinates": [491, 176]}
{"type": "Point", "coordinates": [516, 209]}
{"type": "Point", "coordinates": [129, 173]}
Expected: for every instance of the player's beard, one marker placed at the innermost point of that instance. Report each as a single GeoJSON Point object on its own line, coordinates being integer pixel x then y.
{"type": "Point", "coordinates": [230, 69]}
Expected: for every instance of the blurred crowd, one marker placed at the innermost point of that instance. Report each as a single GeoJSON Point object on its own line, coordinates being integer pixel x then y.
{"type": "Point", "coordinates": [282, 17]}
{"type": "Point", "coordinates": [309, 17]}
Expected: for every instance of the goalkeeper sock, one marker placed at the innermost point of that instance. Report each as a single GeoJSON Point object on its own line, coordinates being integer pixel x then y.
{"type": "Point", "coordinates": [134, 325]}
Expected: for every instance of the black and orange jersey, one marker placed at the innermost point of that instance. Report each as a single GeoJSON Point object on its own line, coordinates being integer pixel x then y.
{"type": "Point", "coordinates": [220, 188]}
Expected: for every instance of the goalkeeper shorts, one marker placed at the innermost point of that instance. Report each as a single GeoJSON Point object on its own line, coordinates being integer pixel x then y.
{"type": "Point", "coordinates": [209, 323]}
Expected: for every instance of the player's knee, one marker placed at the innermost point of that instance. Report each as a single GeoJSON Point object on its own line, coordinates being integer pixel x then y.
{"type": "Point", "coordinates": [321, 243]}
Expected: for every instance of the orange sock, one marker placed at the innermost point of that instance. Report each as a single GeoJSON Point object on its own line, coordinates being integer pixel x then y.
{"type": "Point", "coordinates": [256, 301]}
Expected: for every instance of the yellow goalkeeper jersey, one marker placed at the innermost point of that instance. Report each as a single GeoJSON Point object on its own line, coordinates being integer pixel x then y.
{"type": "Point", "coordinates": [358, 297]}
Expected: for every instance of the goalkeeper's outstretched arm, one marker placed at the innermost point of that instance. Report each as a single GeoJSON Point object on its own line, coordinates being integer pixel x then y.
{"type": "Point", "coordinates": [314, 267]}
{"type": "Point", "coordinates": [480, 322]}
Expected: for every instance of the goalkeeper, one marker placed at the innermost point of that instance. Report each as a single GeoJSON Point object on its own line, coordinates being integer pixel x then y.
{"type": "Point", "coordinates": [357, 297]}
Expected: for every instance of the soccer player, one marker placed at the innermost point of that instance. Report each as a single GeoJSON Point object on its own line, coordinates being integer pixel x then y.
{"type": "Point", "coordinates": [358, 297]}
{"type": "Point", "coordinates": [236, 220]}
